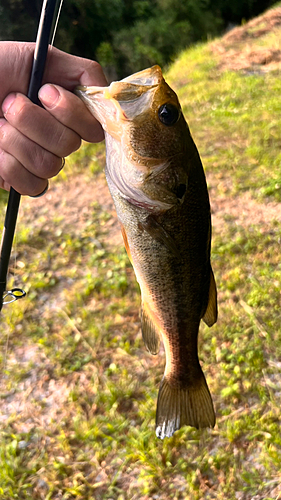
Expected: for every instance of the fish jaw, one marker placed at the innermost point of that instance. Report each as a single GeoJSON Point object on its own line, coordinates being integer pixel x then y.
{"type": "Point", "coordinates": [121, 101]}
{"type": "Point", "coordinates": [98, 100]}
{"type": "Point", "coordinates": [129, 111]}
{"type": "Point", "coordinates": [150, 76]}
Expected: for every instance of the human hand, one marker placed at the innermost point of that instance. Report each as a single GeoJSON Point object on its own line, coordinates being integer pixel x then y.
{"type": "Point", "coordinates": [33, 140]}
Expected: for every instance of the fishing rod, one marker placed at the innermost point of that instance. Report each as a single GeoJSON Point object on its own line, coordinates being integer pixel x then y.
{"type": "Point", "coordinates": [50, 13]}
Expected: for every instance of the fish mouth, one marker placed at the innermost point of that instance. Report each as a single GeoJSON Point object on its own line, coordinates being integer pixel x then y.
{"type": "Point", "coordinates": [121, 101]}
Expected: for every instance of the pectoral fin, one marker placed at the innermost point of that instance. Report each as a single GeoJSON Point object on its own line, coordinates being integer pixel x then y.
{"type": "Point", "coordinates": [150, 334]}
{"type": "Point", "coordinates": [126, 243]}
{"type": "Point", "coordinates": [211, 314]}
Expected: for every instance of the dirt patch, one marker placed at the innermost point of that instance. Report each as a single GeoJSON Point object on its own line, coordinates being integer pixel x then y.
{"type": "Point", "coordinates": [238, 50]}
{"type": "Point", "coordinates": [38, 395]}
{"type": "Point", "coordinates": [242, 211]}
{"type": "Point", "coordinates": [72, 201]}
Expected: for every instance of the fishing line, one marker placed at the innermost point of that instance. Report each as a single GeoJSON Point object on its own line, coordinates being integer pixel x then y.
{"type": "Point", "coordinates": [55, 22]}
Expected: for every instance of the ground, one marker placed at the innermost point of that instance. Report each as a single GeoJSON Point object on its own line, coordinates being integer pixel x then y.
{"type": "Point", "coordinates": [239, 50]}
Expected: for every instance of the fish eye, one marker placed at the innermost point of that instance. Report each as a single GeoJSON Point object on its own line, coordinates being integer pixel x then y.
{"type": "Point", "coordinates": [168, 114]}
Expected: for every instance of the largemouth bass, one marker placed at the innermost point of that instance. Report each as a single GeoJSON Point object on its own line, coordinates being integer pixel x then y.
{"type": "Point", "coordinates": [158, 185]}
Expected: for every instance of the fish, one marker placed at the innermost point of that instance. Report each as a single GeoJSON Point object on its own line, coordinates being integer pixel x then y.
{"type": "Point", "coordinates": [158, 185]}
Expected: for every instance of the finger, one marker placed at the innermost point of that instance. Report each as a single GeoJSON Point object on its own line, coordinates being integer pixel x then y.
{"type": "Point", "coordinates": [16, 63]}
{"type": "Point", "coordinates": [37, 160]}
{"type": "Point", "coordinates": [13, 173]}
{"type": "Point", "coordinates": [40, 126]}
{"type": "Point", "coordinates": [4, 185]}
{"type": "Point", "coordinates": [71, 111]}
{"type": "Point", "coordinates": [62, 69]}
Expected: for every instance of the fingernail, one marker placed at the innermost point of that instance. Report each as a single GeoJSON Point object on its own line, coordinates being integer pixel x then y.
{"type": "Point", "coordinates": [8, 103]}
{"type": "Point", "coordinates": [49, 95]}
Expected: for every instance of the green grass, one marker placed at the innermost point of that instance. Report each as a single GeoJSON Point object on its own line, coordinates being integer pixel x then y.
{"type": "Point", "coordinates": [78, 388]}
{"type": "Point", "coordinates": [235, 118]}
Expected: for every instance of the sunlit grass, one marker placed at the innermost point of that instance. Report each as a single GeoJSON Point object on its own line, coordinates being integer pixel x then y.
{"type": "Point", "coordinates": [235, 120]}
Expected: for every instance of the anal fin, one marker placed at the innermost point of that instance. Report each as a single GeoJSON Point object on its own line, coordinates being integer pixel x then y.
{"type": "Point", "coordinates": [150, 334]}
{"type": "Point", "coordinates": [211, 314]}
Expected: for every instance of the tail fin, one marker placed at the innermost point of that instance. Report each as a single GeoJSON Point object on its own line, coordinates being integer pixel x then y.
{"type": "Point", "coordinates": [178, 406]}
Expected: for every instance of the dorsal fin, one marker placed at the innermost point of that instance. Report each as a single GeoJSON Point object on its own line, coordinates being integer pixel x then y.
{"type": "Point", "coordinates": [211, 314]}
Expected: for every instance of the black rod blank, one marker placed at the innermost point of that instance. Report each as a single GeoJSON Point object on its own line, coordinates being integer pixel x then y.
{"type": "Point", "coordinates": [44, 35]}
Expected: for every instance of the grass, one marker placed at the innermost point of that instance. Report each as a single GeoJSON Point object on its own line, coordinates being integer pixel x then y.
{"type": "Point", "coordinates": [78, 389]}
{"type": "Point", "coordinates": [235, 119]}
